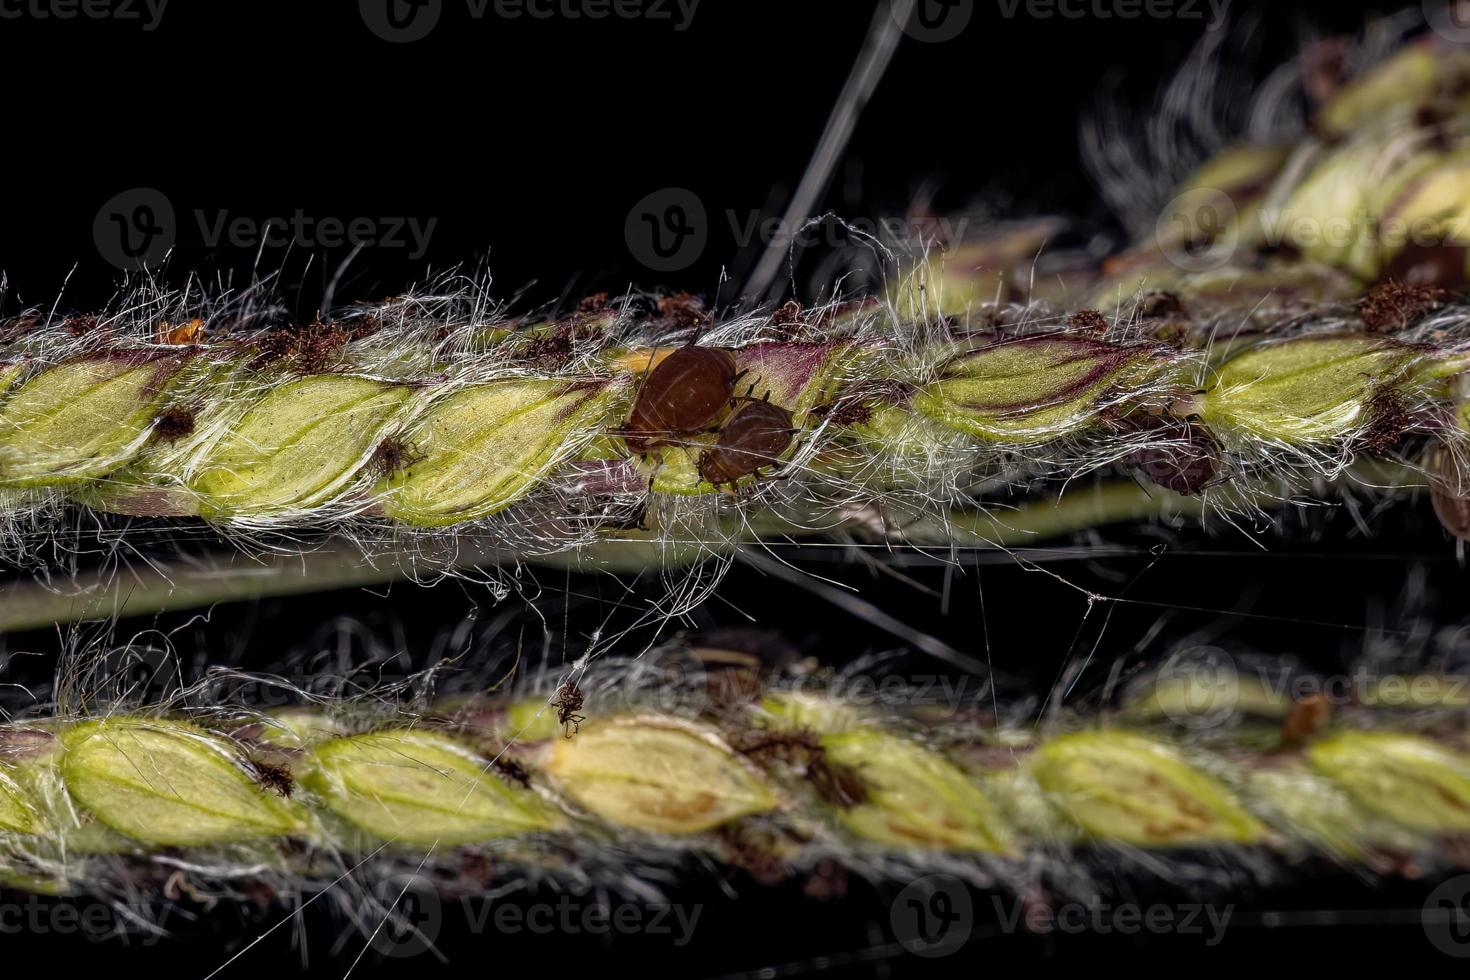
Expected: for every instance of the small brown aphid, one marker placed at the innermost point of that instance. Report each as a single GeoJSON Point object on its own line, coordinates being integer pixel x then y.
{"type": "Point", "coordinates": [568, 704]}
{"type": "Point", "coordinates": [180, 334]}
{"type": "Point", "coordinates": [275, 778]}
{"type": "Point", "coordinates": [682, 396]}
{"type": "Point", "coordinates": [1305, 719]}
{"type": "Point", "coordinates": [756, 435]}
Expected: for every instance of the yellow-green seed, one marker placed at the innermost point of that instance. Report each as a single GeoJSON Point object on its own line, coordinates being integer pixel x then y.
{"type": "Point", "coordinates": [1303, 392]}
{"type": "Point", "coordinates": [915, 797]}
{"type": "Point", "coordinates": [1119, 786]}
{"type": "Point", "coordinates": [421, 788]}
{"type": "Point", "coordinates": [1034, 390]}
{"type": "Point", "coordinates": [484, 448]}
{"type": "Point", "coordinates": [658, 775]}
{"type": "Point", "coordinates": [17, 815]}
{"type": "Point", "coordinates": [298, 446]}
{"type": "Point", "coordinates": [170, 784]}
{"type": "Point", "coordinates": [1411, 780]}
{"type": "Point", "coordinates": [82, 420]}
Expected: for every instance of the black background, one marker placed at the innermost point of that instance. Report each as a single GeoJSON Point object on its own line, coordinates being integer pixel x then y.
{"type": "Point", "coordinates": [528, 141]}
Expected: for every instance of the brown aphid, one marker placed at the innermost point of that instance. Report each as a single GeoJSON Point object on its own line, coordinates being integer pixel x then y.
{"type": "Point", "coordinates": [1304, 719]}
{"type": "Point", "coordinates": [180, 334]}
{"type": "Point", "coordinates": [682, 396]}
{"type": "Point", "coordinates": [568, 704]}
{"type": "Point", "coordinates": [756, 435]}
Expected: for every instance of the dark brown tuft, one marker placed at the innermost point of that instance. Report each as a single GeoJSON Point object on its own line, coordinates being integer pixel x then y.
{"type": "Point", "coordinates": [593, 304]}
{"type": "Point", "coordinates": [512, 771]}
{"type": "Point", "coordinates": [682, 310]}
{"type": "Point", "coordinates": [1088, 321]}
{"type": "Point", "coordinates": [1389, 422]}
{"type": "Point", "coordinates": [856, 406]}
{"type": "Point", "coordinates": [789, 312]}
{"type": "Point", "coordinates": [391, 456]}
{"type": "Point", "coordinates": [276, 778]}
{"type": "Point", "coordinates": [310, 349]}
{"type": "Point", "coordinates": [1395, 305]}
{"type": "Point", "coordinates": [80, 326]}
{"type": "Point", "coordinates": [753, 850]}
{"type": "Point", "coordinates": [174, 424]}
{"type": "Point", "coordinates": [841, 786]}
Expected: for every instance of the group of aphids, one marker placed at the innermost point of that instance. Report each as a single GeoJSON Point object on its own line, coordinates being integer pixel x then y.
{"type": "Point", "coordinates": [685, 395]}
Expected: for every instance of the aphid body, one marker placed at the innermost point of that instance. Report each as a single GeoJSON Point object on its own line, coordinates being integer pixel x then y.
{"type": "Point", "coordinates": [756, 435]}
{"type": "Point", "coordinates": [683, 395]}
